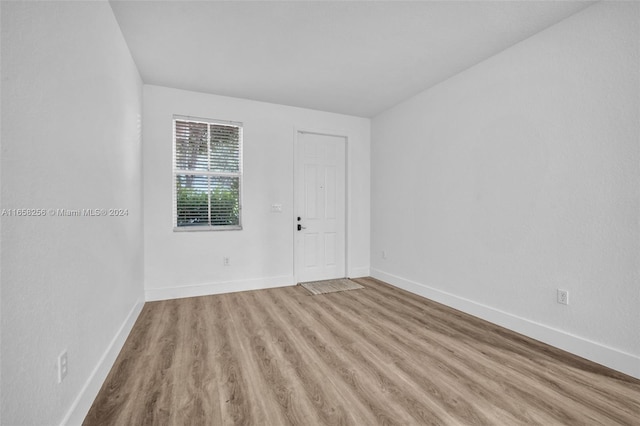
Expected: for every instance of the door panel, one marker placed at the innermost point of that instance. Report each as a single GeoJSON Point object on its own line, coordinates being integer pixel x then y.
{"type": "Point", "coordinates": [330, 195]}
{"type": "Point", "coordinates": [330, 249]}
{"type": "Point", "coordinates": [311, 194]}
{"type": "Point", "coordinates": [320, 191]}
{"type": "Point", "coordinates": [310, 250]}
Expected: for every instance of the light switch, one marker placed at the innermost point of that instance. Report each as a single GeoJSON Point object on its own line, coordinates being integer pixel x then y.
{"type": "Point", "coordinates": [276, 208]}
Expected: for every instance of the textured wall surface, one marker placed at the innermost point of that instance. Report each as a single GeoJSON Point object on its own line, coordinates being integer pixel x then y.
{"type": "Point", "coordinates": [71, 106]}
{"type": "Point", "coordinates": [179, 264]}
{"type": "Point", "coordinates": [520, 176]}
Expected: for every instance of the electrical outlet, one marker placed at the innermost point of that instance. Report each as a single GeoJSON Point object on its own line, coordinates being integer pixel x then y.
{"type": "Point", "coordinates": [62, 366]}
{"type": "Point", "coordinates": [226, 261]}
{"type": "Point", "coordinates": [563, 297]}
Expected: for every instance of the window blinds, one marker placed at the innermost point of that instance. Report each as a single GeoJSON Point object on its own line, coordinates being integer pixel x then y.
{"type": "Point", "coordinates": [207, 174]}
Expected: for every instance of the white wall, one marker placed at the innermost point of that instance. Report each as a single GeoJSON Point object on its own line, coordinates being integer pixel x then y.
{"type": "Point", "coordinates": [179, 264]}
{"type": "Point", "coordinates": [520, 176]}
{"type": "Point", "coordinates": [71, 105]}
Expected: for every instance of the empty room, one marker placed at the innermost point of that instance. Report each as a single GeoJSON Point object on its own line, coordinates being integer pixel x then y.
{"type": "Point", "coordinates": [320, 213]}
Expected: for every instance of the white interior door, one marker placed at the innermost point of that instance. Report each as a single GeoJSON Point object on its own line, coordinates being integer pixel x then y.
{"type": "Point", "coordinates": [320, 192]}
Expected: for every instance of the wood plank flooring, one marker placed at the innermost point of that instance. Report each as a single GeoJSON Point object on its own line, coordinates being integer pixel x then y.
{"type": "Point", "coordinates": [378, 355]}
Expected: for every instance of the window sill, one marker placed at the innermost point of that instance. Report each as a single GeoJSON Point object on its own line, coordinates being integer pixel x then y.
{"type": "Point", "coordinates": [201, 228]}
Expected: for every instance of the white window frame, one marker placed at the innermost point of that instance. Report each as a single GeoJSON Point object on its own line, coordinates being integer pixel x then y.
{"type": "Point", "coordinates": [176, 172]}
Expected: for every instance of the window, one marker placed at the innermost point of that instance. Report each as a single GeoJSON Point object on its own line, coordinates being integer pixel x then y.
{"type": "Point", "coordinates": [207, 174]}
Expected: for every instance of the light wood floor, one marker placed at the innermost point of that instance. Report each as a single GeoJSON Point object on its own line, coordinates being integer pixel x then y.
{"type": "Point", "coordinates": [364, 357]}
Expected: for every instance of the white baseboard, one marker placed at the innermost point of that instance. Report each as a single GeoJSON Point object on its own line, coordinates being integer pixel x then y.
{"type": "Point", "coordinates": [597, 352]}
{"type": "Point", "coordinates": [359, 272]}
{"type": "Point", "coordinates": [81, 405]}
{"type": "Point", "coordinates": [206, 289]}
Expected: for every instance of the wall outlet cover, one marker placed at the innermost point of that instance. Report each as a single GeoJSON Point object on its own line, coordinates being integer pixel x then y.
{"type": "Point", "coordinates": [63, 362]}
{"type": "Point", "coordinates": [563, 297]}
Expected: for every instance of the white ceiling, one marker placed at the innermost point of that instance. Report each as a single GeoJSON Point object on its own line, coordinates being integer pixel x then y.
{"type": "Point", "coordinates": [356, 58]}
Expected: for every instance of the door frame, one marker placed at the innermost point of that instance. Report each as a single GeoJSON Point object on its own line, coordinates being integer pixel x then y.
{"type": "Point", "coordinates": [297, 131]}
